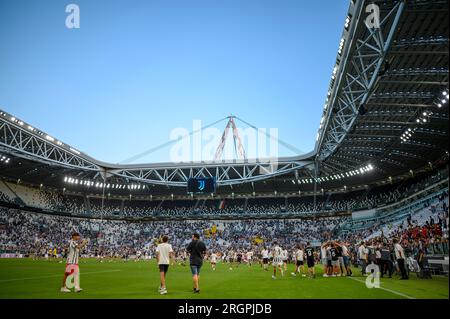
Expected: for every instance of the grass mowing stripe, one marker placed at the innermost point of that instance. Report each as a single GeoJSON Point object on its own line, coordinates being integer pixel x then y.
{"type": "Point", "coordinates": [51, 276]}
{"type": "Point", "coordinates": [386, 289]}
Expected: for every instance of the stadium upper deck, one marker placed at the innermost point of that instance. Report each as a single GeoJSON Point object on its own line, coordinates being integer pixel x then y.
{"type": "Point", "coordinates": [387, 108]}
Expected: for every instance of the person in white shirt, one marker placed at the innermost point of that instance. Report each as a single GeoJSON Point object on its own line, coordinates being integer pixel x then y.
{"type": "Point", "coordinates": [362, 256]}
{"type": "Point", "coordinates": [299, 261]}
{"type": "Point", "coordinates": [72, 262]}
{"type": "Point", "coordinates": [346, 258]}
{"type": "Point", "coordinates": [277, 262]}
{"type": "Point", "coordinates": [285, 258]}
{"type": "Point", "coordinates": [230, 256]}
{"type": "Point", "coordinates": [213, 261]}
{"type": "Point", "coordinates": [265, 258]}
{"type": "Point", "coordinates": [323, 257]}
{"type": "Point", "coordinates": [164, 253]}
{"type": "Point", "coordinates": [400, 256]}
{"type": "Point", "coordinates": [230, 260]}
{"type": "Point", "coordinates": [249, 257]}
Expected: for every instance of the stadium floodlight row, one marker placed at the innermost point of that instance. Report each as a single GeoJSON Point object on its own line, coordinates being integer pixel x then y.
{"type": "Point", "coordinates": [4, 159]}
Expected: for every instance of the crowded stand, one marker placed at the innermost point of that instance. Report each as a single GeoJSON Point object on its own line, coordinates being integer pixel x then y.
{"type": "Point", "coordinates": [369, 198]}
{"type": "Point", "coordinates": [34, 233]}
{"type": "Point", "coordinates": [424, 227]}
{"type": "Point", "coordinates": [6, 195]}
{"type": "Point", "coordinates": [422, 233]}
{"type": "Point", "coordinates": [416, 224]}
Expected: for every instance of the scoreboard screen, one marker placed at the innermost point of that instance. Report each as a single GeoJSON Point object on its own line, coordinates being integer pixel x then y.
{"type": "Point", "coordinates": [201, 185]}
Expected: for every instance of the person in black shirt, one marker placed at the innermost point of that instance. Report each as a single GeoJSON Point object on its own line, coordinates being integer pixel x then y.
{"type": "Point", "coordinates": [340, 257]}
{"type": "Point", "coordinates": [334, 260]}
{"type": "Point", "coordinates": [309, 251]}
{"type": "Point", "coordinates": [386, 260]}
{"type": "Point", "coordinates": [238, 259]}
{"type": "Point", "coordinates": [197, 250]}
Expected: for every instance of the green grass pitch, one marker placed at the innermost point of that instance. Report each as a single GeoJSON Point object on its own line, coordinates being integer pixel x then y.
{"type": "Point", "coordinates": [26, 278]}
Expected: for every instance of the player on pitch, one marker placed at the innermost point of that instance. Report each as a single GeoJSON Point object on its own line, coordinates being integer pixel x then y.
{"type": "Point", "coordinates": [72, 262]}
{"type": "Point", "coordinates": [277, 262]}
{"type": "Point", "coordinates": [164, 253]}
{"type": "Point", "coordinates": [197, 250]}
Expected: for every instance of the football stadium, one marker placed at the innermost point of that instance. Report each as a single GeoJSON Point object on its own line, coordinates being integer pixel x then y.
{"type": "Point", "coordinates": [362, 214]}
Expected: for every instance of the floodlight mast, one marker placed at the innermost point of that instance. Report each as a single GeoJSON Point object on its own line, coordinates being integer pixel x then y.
{"type": "Point", "coordinates": [316, 169]}
{"type": "Point", "coordinates": [105, 175]}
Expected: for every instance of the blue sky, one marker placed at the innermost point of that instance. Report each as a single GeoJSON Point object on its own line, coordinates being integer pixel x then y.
{"type": "Point", "coordinates": [136, 70]}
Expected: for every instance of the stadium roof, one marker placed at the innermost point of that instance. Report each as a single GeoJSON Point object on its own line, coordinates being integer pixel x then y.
{"type": "Point", "coordinates": [386, 113]}
{"type": "Point", "coordinates": [389, 86]}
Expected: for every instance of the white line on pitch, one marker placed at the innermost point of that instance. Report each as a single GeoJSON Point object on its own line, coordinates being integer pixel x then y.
{"type": "Point", "coordinates": [386, 289]}
{"type": "Point", "coordinates": [41, 277]}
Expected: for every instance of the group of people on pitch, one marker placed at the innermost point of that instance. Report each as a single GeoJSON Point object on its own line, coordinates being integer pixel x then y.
{"type": "Point", "coordinates": [335, 258]}
{"type": "Point", "coordinates": [383, 254]}
{"type": "Point", "coordinates": [279, 260]}
{"type": "Point", "coordinates": [164, 255]}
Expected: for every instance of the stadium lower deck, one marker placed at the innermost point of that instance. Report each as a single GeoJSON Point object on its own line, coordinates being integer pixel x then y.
{"type": "Point", "coordinates": [119, 261]}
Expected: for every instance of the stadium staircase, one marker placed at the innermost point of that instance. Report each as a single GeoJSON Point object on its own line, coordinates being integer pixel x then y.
{"type": "Point", "coordinates": [158, 208]}
{"type": "Point", "coordinates": [87, 205]}
{"type": "Point", "coordinates": [327, 200]}
{"type": "Point", "coordinates": [202, 205]}
{"type": "Point", "coordinates": [197, 203]}
{"type": "Point", "coordinates": [366, 193]}
{"type": "Point", "coordinates": [16, 197]}
{"type": "Point", "coordinates": [122, 206]}
{"type": "Point", "coordinates": [9, 193]}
